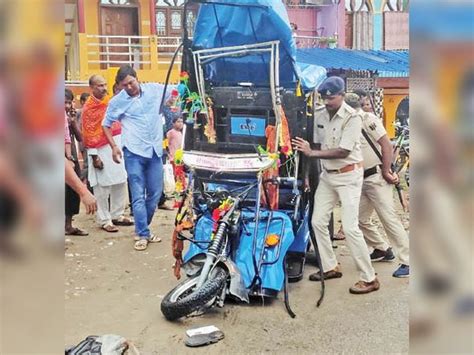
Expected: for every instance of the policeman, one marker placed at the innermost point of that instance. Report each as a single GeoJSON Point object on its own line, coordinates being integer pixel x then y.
{"type": "Point", "coordinates": [364, 99]}
{"type": "Point", "coordinates": [337, 137]}
{"type": "Point", "coordinates": [377, 192]}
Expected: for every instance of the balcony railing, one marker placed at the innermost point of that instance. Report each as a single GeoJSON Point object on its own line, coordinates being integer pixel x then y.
{"type": "Point", "coordinates": [308, 3]}
{"type": "Point", "coordinates": [138, 51]}
{"type": "Point", "coordinates": [149, 54]}
{"type": "Point", "coordinates": [310, 41]}
{"type": "Point", "coordinates": [113, 51]}
{"type": "Point", "coordinates": [166, 48]}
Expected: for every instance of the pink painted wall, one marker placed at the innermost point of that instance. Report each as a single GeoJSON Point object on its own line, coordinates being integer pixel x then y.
{"type": "Point", "coordinates": [332, 18]}
{"type": "Point", "coordinates": [305, 19]}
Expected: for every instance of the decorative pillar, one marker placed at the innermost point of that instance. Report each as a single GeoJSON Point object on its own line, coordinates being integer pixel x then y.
{"type": "Point", "coordinates": [341, 25]}
{"type": "Point", "coordinates": [378, 6]}
{"type": "Point", "coordinates": [83, 57]}
{"type": "Point", "coordinates": [154, 54]}
{"type": "Point", "coordinates": [80, 16]}
{"type": "Point", "coordinates": [152, 17]}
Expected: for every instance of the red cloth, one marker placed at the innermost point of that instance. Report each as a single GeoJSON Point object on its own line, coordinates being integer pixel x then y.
{"type": "Point", "coordinates": [40, 108]}
{"type": "Point", "coordinates": [93, 114]}
{"type": "Point", "coordinates": [272, 189]}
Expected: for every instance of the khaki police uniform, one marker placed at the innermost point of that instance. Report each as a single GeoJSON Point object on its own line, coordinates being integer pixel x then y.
{"type": "Point", "coordinates": [342, 131]}
{"type": "Point", "coordinates": [377, 195]}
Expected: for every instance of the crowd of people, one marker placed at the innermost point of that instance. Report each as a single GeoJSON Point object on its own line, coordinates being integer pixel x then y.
{"type": "Point", "coordinates": [120, 140]}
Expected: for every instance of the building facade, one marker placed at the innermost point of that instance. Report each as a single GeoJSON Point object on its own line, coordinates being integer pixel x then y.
{"type": "Point", "coordinates": [101, 35]}
{"type": "Point", "coordinates": [376, 24]}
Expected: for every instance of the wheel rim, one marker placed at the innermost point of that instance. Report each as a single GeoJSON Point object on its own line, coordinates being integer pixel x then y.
{"type": "Point", "coordinates": [184, 290]}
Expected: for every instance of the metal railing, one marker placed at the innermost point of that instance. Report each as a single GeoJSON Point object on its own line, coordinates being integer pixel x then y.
{"type": "Point", "coordinates": [304, 4]}
{"type": "Point", "coordinates": [166, 48]}
{"type": "Point", "coordinates": [309, 41]}
{"type": "Point", "coordinates": [137, 51]}
{"type": "Point", "coordinates": [111, 51]}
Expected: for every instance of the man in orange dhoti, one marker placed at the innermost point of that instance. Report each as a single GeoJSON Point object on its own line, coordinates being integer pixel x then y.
{"type": "Point", "coordinates": [107, 178]}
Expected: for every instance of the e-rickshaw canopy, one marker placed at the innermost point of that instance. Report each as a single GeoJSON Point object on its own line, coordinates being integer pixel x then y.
{"type": "Point", "coordinates": [227, 23]}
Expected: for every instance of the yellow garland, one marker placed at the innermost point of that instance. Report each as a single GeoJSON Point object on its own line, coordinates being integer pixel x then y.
{"type": "Point", "coordinates": [227, 203]}
{"type": "Point", "coordinates": [178, 157]}
{"type": "Point", "coordinates": [179, 187]}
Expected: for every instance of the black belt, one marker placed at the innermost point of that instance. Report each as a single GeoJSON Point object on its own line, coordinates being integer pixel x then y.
{"type": "Point", "coordinates": [371, 171]}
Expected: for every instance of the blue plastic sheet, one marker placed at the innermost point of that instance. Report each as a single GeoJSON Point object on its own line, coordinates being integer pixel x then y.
{"type": "Point", "coordinates": [310, 75]}
{"type": "Point", "coordinates": [225, 23]}
{"type": "Point", "coordinates": [272, 276]}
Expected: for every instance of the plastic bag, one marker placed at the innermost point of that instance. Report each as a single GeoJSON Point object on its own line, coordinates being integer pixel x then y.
{"type": "Point", "coordinates": [109, 344]}
{"type": "Point", "coordinates": [168, 177]}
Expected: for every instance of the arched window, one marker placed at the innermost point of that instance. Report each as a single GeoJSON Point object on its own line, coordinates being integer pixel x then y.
{"type": "Point", "coordinates": [173, 3]}
{"type": "Point", "coordinates": [359, 5]}
{"type": "Point", "coordinates": [117, 2]}
{"type": "Point", "coordinates": [396, 5]}
{"type": "Point", "coordinates": [170, 17]}
{"type": "Point", "coordinates": [190, 21]}
{"type": "Point", "coordinates": [176, 20]}
{"type": "Point", "coordinates": [160, 23]}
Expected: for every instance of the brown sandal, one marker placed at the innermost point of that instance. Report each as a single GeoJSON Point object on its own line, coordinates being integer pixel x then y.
{"type": "Point", "coordinates": [76, 231]}
{"type": "Point", "coordinates": [331, 274]}
{"type": "Point", "coordinates": [110, 228]}
{"type": "Point", "coordinates": [339, 235]}
{"type": "Point", "coordinates": [123, 221]}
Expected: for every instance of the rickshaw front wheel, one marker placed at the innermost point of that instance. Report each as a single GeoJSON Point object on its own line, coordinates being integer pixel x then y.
{"type": "Point", "coordinates": [184, 299]}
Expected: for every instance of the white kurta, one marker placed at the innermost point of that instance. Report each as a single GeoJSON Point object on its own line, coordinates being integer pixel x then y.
{"type": "Point", "coordinates": [112, 173]}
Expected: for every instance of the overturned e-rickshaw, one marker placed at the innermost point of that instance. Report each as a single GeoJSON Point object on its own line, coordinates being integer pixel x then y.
{"type": "Point", "coordinates": [245, 210]}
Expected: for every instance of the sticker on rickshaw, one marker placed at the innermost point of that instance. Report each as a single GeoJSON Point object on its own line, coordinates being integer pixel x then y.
{"type": "Point", "coordinates": [227, 162]}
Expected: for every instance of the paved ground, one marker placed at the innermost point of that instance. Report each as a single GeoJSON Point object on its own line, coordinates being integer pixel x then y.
{"type": "Point", "coordinates": [110, 288]}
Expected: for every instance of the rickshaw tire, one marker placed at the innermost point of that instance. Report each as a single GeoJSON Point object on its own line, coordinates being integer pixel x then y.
{"type": "Point", "coordinates": [173, 310]}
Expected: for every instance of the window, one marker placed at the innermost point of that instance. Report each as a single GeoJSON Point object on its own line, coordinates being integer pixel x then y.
{"type": "Point", "coordinates": [190, 20]}
{"type": "Point", "coordinates": [176, 20]}
{"type": "Point", "coordinates": [173, 3]}
{"type": "Point", "coordinates": [160, 23]}
{"type": "Point", "coordinates": [117, 2]}
{"type": "Point", "coordinates": [359, 5]}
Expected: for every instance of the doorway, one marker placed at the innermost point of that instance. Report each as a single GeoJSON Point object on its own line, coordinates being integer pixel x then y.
{"type": "Point", "coordinates": [124, 22]}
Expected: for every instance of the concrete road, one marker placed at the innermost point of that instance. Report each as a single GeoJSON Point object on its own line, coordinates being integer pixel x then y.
{"type": "Point", "coordinates": [110, 288]}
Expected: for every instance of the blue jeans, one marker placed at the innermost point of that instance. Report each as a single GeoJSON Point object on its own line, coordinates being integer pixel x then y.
{"type": "Point", "coordinates": [145, 177]}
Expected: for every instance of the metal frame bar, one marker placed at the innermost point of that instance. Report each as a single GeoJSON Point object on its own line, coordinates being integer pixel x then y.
{"type": "Point", "coordinates": [117, 53]}
{"type": "Point", "coordinates": [245, 46]}
{"type": "Point", "coordinates": [117, 62]}
{"type": "Point", "coordinates": [107, 44]}
{"type": "Point", "coordinates": [210, 58]}
{"type": "Point", "coordinates": [215, 53]}
{"type": "Point", "coordinates": [114, 36]}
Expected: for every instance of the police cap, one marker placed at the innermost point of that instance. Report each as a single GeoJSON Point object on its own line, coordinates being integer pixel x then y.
{"type": "Point", "coordinates": [333, 85]}
{"type": "Point", "coordinates": [352, 99]}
